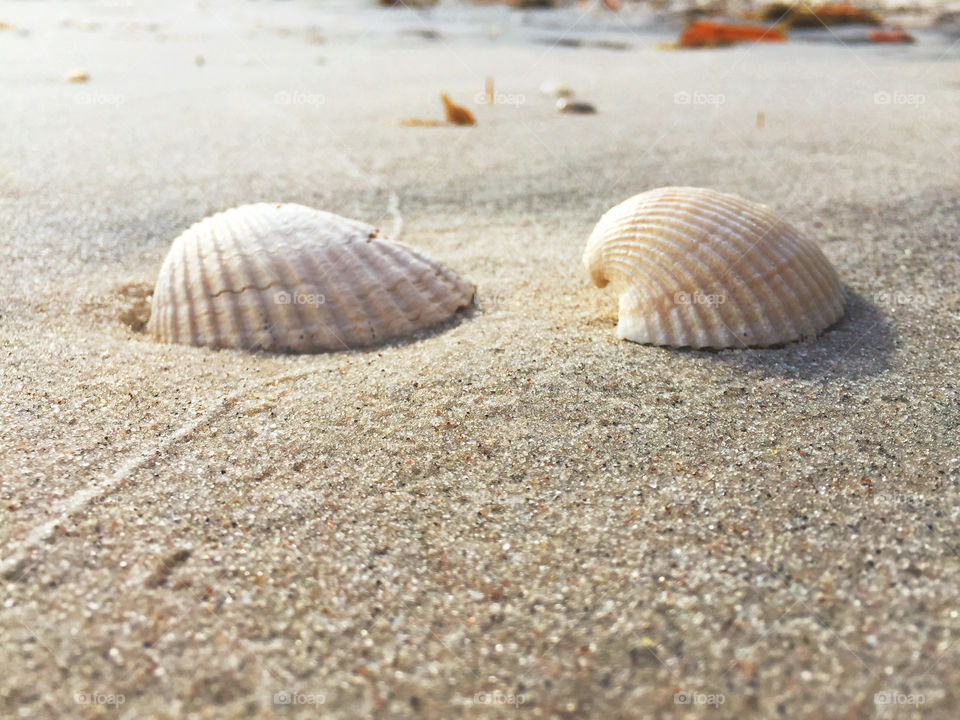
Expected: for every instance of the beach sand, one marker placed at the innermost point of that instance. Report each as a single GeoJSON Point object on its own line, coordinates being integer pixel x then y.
{"type": "Point", "coordinates": [517, 515]}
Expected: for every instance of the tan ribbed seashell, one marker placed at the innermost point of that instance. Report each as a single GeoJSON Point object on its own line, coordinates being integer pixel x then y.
{"type": "Point", "coordinates": [293, 279]}
{"type": "Point", "coordinates": [699, 268]}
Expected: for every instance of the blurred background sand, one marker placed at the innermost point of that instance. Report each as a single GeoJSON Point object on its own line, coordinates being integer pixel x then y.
{"type": "Point", "coordinates": [520, 506]}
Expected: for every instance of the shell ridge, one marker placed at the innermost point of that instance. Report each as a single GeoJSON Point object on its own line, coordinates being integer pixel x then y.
{"type": "Point", "coordinates": [296, 324]}
{"type": "Point", "coordinates": [729, 295]}
{"type": "Point", "coordinates": [255, 330]}
{"type": "Point", "coordinates": [312, 318]}
{"type": "Point", "coordinates": [694, 284]}
{"type": "Point", "coordinates": [687, 319]}
{"type": "Point", "coordinates": [351, 324]}
{"type": "Point", "coordinates": [160, 309]}
{"type": "Point", "coordinates": [436, 297]}
{"type": "Point", "coordinates": [324, 319]}
{"type": "Point", "coordinates": [286, 247]}
{"type": "Point", "coordinates": [220, 240]}
{"type": "Point", "coordinates": [655, 285]}
{"type": "Point", "coordinates": [167, 316]}
{"type": "Point", "coordinates": [184, 288]}
{"type": "Point", "coordinates": [392, 288]}
{"type": "Point", "coordinates": [328, 322]}
{"type": "Point", "coordinates": [759, 264]}
{"type": "Point", "coordinates": [441, 297]}
{"type": "Point", "coordinates": [827, 281]}
{"type": "Point", "coordinates": [212, 326]}
{"type": "Point", "coordinates": [759, 252]}
{"type": "Point", "coordinates": [635, 299]}
{"type": "Point", "coordinates": [441, 288]}
{"type": "Point", "coordinates": [803, 287]}
{"type": "Point", "coordinates": [808, 276]}
{"type": "Point", "coordinates": [175, 324]}
{"type": "Point", "coordinates": [431, 293]}
{"type": "Point", "coordinates": [383, 278]}
{"type": "Point", "coordinates": [348, 318]}
{"type": "Point", "coordinates": [703, 229]}
{"type": "Point", "coordinates": [769, 310]}
{"type": "Point", "coordinates": [235, 240]}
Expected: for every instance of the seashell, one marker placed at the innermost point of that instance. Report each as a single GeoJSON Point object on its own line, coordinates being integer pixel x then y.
{"type": "Point", "coordinates": [291, 278]}
{"type": "Point", "coordinates": [575, 108]}
{"type": "Point", "coordinates": [699, 268]}
{"type": "Point", "coordinates": [555, 89]}
{"type": "Point", "coordinates": [456, 114]}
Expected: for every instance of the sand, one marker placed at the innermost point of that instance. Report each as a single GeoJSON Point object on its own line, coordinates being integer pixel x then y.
{"type": "Point", "coordinates": [518, 515]}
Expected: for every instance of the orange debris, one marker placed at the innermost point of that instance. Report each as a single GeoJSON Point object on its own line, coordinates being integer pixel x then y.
{"type": "Point", "coordinates": [890, 36]}
{"type": "Point", "coordinates": [843, 14]}
{"type": "Point", "coordinates": [455, 113]}
{"type": "Point", "coordinates": [705, 33]}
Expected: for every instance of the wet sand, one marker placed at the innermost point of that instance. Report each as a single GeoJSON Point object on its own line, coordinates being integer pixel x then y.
{"type": "Point", "coordinates": [518, 513]}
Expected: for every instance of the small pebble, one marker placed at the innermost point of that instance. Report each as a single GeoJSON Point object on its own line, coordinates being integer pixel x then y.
{"type": "Point", "coordinates": [575, 108]}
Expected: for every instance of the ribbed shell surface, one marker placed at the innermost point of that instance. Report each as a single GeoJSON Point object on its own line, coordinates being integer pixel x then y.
{"type": "Point", "coordinates": [698, 268]}
{"type": "Point", "coordinates": [290, 278]}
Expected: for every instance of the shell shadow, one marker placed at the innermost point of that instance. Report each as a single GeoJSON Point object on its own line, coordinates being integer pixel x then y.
{"type": "Point", "coordinates": [860, 344]}
{"type": "Point", "coordinates": [461, 317]}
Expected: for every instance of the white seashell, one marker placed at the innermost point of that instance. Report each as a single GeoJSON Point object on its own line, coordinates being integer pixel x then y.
{"type": "Point", "coordinates": [699, 268]}
{"type": "Point", "coordinates": [555, 89]}
{"type": "Point", "coordinates": [291, 278]}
